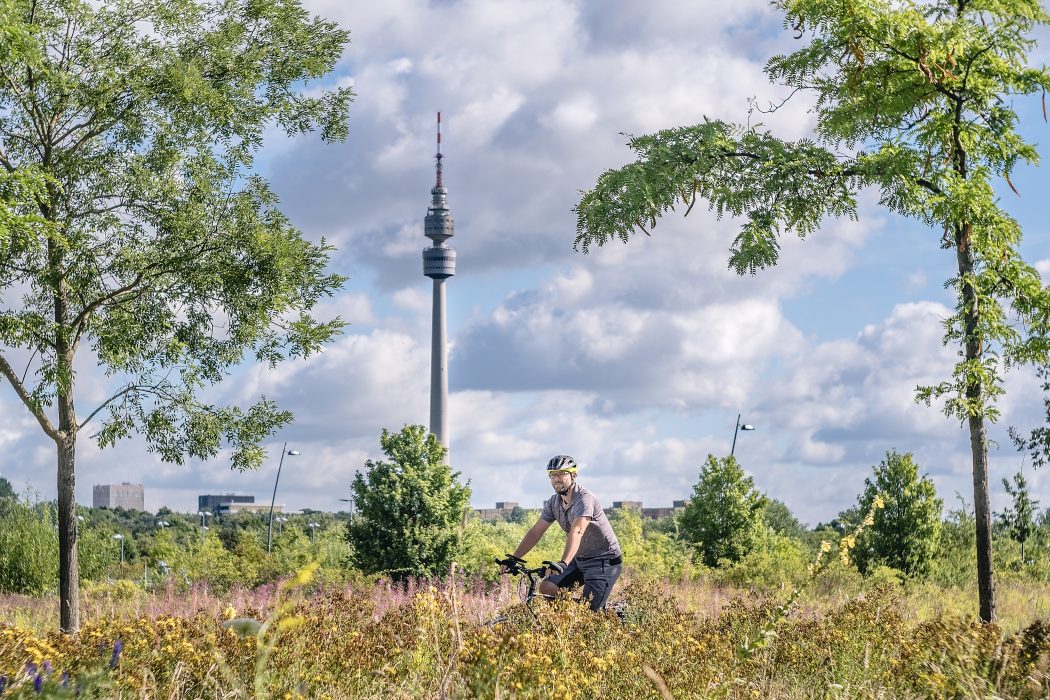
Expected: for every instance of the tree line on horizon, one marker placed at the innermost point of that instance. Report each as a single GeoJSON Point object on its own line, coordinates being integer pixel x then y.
{"type": "Point", "coordinates": [413, 520]}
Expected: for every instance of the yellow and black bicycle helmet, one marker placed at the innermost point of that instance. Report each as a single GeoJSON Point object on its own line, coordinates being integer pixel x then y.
{"type": "Point", "coordinates": [562, 463]}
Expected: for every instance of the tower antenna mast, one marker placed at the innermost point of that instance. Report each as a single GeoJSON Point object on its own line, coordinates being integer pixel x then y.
{"type": "Point", "coordinates": [439, 263]}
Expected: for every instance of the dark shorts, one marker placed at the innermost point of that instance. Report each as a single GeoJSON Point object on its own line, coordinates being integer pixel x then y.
{"type": "Point", "coordinates": [597, 576]}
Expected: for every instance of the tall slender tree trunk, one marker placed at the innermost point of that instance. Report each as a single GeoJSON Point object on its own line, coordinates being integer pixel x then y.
{"type": "Point", "coordinates": [978, 436]}
{"type": "Point", "coordinates": [66, 442]}
{"type": "Point", "coordinates": [68, 578]}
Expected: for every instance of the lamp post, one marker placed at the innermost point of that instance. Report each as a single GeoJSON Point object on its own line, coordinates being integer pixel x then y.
{"type": "Point", "coordinates": [281, 520]}
{"type": "Point", "coordinates": [269, 528]}
{"type": "Point", "coordinates": [351, 502]}
{"type": "Point", "coordinates": [120, 537]}
{"type": "Point", "coordinates": [313, 530]}
{"type": "Point", "coordinates": [204, 514]}
{"type": "Point", "coordinates": [739, 427]}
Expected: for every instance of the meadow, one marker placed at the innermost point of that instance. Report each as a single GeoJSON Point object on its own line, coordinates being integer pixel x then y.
{"type": "Point", "coordinates": [842, 638]}
{"type": "Point", "coordinates": [794, 617]}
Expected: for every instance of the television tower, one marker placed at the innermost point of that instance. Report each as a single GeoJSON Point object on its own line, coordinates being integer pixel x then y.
{"type": "Point", "coordinates": [439, 263]}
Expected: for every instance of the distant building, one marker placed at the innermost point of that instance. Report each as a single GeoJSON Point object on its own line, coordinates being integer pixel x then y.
{"type": "Point", "coordinates": [211, 503]}
{"type": "Point", "coordinates": [502, 511]}
{"type": "Point", "coordinates": [125, 495]}
{"type": "Point", "coordinates": [231, 508]}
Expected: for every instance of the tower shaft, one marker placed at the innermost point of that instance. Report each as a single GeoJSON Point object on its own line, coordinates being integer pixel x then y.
{"type": "Point", "coordinates": [439, 367]}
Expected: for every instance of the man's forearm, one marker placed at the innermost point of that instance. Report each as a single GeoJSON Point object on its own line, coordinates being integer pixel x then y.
{"type": "Point", "coordinates": [572, 545]}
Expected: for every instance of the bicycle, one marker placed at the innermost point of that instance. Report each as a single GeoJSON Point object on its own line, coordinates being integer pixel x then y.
{"type": "Point", "coordinates": [528, 585]}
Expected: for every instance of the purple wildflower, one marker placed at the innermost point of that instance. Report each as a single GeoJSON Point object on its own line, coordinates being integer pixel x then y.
{"type": "Point", "coordinates": [38, 683]}
{"type": "Point", "coordinates": [47, 668]}
{"type": "Point", "coordinates": [30, 669]}
{"type": "Point", "coordinates": [65, 680]}
{"type": "Point", "coordinates": [117, 647]}
{"type": "Point", "coordinates": [3, 684]}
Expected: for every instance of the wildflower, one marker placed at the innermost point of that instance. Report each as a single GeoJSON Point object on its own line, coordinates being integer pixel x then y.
{"type": "Point", "coordinates": [117, 647]}
{"type": "Point", "coordinates": [30, 669]}
{"type": "Point", "coordinates": [878, 502]}
{"type": "Point", "coordinates": [38, 683]}
{"type": "Point", "coordinates": [825, 546]}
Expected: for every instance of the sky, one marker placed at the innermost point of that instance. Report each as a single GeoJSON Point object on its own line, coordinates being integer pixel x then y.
{"type": "Point", "coordinates": [635, 359]}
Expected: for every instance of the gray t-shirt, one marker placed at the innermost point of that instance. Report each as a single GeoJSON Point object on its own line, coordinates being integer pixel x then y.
{"type": "Point", "coordinates": [598, 539]}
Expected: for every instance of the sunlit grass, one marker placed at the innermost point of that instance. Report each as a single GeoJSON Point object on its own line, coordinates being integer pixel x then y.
{"type": "Point", "coordinates": [431, 641]}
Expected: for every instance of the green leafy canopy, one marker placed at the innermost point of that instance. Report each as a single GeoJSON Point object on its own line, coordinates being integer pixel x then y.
{"type": "Point", "coordinates": [912, 99]}
{"type": "Point", "coordinates": [131, 221]}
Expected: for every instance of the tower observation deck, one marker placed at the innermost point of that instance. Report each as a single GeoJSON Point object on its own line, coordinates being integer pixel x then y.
{"type": "Point", "coordinates": [439, 263]}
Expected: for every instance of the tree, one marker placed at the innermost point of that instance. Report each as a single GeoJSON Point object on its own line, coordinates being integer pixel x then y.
{"type": "Point", "coordinates": [409, 509]}
{"type": "Point", "coordinates": [781, 520]}
{"type": "Point", "coordinates": [133, 230]}
{"type": "Point", "coordinates": [6, 491]}
{"type": "Point", "coordinates": [1019, 518]}
{"type": "Point", "coordinates": [913, 99]}
{"type": "Point", "coordinates": [725, 515]}
{"type": "Point", "coordinates": [904, 533]}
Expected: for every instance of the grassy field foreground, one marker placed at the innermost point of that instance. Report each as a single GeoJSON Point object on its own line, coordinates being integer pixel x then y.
{"type": "Point", "coordinates": [679, 641]}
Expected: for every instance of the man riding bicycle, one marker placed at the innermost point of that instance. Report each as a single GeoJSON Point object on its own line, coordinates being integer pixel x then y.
{"type": "Point", "coordinates": [592, 554]}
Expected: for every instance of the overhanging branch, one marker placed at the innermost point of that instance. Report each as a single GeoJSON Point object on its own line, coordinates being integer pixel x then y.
{"type": "Point", "coordinates": [19, 388]}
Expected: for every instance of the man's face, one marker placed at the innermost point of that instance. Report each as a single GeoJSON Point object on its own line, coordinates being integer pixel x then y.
{"type": "Point", "coordinates": [561, 481]}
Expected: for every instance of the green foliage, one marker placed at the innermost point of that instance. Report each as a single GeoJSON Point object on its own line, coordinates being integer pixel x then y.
{"type": "Point", "coordinates": [483, 541]}
{"type": "Point", "coordinates": [1037, 442]}
{"type": "Point", "coordinates": [651, 554]}
{"type": "Point", "coordinates": [904, 534]}
{"type": "Point", "coordinates": [28, 549]}
{"type": "Point", "coordinates": [916, 101]}
{"type": "Point", "coordinates": [1019, 519]}
{"type": "Point", "coordinates": [724, 517]}
{"type": "Point", "coordinates": [775, 562]}
{"type": "Point", "coordinates": [409, 509]}
{"type": "Point", "coordinates": [143, 119]}
{"type": "Point", "coordinates": [134, 226]}
{"type": "Point", "coordinates": [6, 491]}
{"type": "Point", "coordinates": [780, 519]}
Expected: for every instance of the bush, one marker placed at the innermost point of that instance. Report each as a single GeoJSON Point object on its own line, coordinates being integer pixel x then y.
{"type": "Point", "coordinates": [409, 509]}
{"type": "Point", "coordinates": [904, 534]}
{"type": "Point", "coordinates": [778, 561]}
{"type": "Point", "coordinates": [724, 517]}
{"type": "Point", "coordinates": [28, 548]}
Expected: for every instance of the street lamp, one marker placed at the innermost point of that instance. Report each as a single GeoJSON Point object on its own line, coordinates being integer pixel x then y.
{"type": "Point", "coordinates": [120, 537]}
{"type": "Point", "coordinates": [351, 502]}
{"type": "Point", "coordinates": [281, 520]}
{"type": "Point", "coordinates": [739, 426]}
{"type": "Point", "coordinates": [204, 514]}
{"type": "Point", "coordinates": [313, 530]}
{"type": "Point", "coordinates": [269, 528]}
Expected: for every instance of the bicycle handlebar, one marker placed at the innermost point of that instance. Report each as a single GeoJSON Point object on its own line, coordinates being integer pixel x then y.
{"type": "Point", "coordinates": [517, 566]}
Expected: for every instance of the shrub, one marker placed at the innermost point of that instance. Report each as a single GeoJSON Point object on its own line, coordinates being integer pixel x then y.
{"type": "Point", "coordinates": [724, 517]}
{"type": "Point", "coordinates": [409, 509]}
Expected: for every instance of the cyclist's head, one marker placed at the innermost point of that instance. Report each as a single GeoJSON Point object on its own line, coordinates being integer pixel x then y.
{"type": "Point", "coordinates": [562, 471]}
{"type": "Point", "coordinates": [562, 463]}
